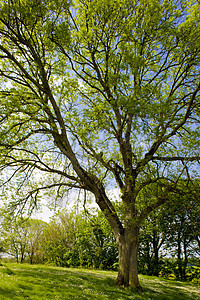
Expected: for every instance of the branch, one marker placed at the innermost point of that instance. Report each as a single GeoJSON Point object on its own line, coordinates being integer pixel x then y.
{"type": "Point", "coordinates": [176, 158]}
{"type": "Point", "coordinates": [152, 181]}
{"type": "Point", "coordinates": [19, 65]}
{"type": "Point", "coordinates": [187, 114]}
{"type": "Point", "coordinates": [162, 138]}
{"type": "Point", "coordinates": [33, 194]}
{"type": "Point", "coordinates": [152, 207]}
{"type": "Point", "coordinates": [38, 164]}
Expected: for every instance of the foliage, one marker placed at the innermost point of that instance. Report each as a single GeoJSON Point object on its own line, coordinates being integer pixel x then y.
{"type": "Point", "coordinates": [152, 240]}
{"type": "Point", "coordinates": [15, 237]}
{"type": "Point", "coordinates": [70, 239]}
{"type": "Point", "coordinates": [193, 274]}
{"type": "Point", "coordinates": [170, 270]}
{"type": "Point", "coordinates": [173, 230]}
{"type": "Point", "coordinates": [180, 220]}
{"type": "Point", "coordinates": [21, 237]}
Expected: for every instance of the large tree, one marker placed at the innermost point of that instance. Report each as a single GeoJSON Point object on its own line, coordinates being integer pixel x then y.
{"type": "Point", "coordinates": [101, 93]}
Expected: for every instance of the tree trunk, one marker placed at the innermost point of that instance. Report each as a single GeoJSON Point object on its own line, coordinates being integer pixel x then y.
{"type": "Point", "coordinates": [31, 256]}
{"type": "Point", "coordinates": [22, 257]}
{"type": "Point", "coordinates": [179, 257]}
{"type": "Point", "coordinates": [16, 254]}
{"type": "Point", "coordinates": [185, 258]}
{"type": "Point", "coordinates": [156, 256]}
{"type": "Point", "coordinates": [128, 264]}
{"type": "Point", "coordinates": [127, 237]}
{"type": "Point", "coordinates": [17, 257]}
{"type": "Point", "coordinates": [148, 257]}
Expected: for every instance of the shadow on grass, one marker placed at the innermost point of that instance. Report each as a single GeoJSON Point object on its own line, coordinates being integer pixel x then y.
{"type": "Point", "coordinates": [160, 289]}
{"type": "Point", "coordinates": [45, 282]}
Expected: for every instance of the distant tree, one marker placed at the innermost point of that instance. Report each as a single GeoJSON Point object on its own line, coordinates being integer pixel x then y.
{"type": "Point", "coordinates": [195, 219]}
{"type": "Point", "coordinates": [101, 93]}
{"type": "Point", "coordinates": [14, 235]}
{"type": "Point", "coordinates": [21, 237]}
{"type": "Point", "coordinates": [152, 239]}
{"type": "Point", "coordinates": [35, 239]}
{"type": "Point", "coordinates": [174, 229]}
{"type": "Point", "coordinates": [71, 239]}
{"type": "Point", "coordinates": [60, 237]}
{"type": "Point", "coordinates": [102, 244]}
{"type": "Point", "coordinates": [180, 221]}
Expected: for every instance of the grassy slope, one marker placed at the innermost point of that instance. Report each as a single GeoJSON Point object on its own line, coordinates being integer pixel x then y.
{"type": "Point", "coordinates": [46, 282]}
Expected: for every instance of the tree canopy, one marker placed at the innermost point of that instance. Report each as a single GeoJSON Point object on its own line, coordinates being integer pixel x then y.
{"type": "Point", "coordinates": [101, 93]}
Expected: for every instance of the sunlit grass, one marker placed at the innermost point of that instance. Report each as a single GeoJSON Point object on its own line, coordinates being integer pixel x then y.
{"type": "Point", "coordinates": [46, 282]}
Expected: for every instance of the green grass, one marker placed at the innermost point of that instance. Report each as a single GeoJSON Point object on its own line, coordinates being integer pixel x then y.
{"type": "Point", "coordinates": [46, 282]}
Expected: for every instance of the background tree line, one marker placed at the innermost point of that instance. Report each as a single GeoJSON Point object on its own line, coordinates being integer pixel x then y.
{"type": "Point", "coordinates": [69, 239]}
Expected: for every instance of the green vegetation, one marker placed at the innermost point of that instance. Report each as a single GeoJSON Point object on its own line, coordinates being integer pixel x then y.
{"type": "Point", "coordinates": [97, 95]}
{"type": "Point", "coordinates": [22, 281]}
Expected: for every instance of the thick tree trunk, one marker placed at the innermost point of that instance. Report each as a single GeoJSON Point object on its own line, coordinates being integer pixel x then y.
{"type": "Point", "coordinates": [128, 263]}
{"type": "Point", "coordinates": [127, 237]}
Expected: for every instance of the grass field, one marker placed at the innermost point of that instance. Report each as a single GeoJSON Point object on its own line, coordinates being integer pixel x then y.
{"type": "Point", "coordinates": [46, 282]}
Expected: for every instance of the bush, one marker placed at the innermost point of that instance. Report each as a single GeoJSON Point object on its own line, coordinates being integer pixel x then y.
{"type": "Point", "coordinates": [193, 274]}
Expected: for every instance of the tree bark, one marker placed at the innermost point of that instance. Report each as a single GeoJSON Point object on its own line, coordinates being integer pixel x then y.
{"type": "Point", "coordinates": [128, 244]}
